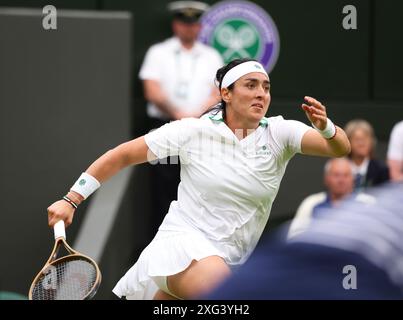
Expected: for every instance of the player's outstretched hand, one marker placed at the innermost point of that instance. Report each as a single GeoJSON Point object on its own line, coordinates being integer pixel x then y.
{"type": "Point", "coordinates": [315, 112]}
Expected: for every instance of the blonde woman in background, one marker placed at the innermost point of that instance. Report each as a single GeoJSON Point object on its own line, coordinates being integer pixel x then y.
{"type": "Point", "coordinates": [367, 170]}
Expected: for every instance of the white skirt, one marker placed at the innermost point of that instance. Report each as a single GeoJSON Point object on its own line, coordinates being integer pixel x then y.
{"type": "Point", "coordinates": [169, 253]}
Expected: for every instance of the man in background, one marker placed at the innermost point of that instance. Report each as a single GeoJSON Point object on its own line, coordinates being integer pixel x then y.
{"type": "Point", "coordinates": [339, 183]}
{"type": "Point", "coordinates": [178, 78]}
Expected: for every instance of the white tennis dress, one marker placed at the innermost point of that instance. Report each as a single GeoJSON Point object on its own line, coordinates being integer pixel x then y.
{"type": "Point", "coordinates": [224, 198]}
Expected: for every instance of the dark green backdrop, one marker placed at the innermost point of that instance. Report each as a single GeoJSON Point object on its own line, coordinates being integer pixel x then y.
{"type": "Point", "coordinates": [357, 72]}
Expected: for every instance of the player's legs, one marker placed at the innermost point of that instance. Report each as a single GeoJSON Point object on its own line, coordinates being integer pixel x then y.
{"type": "Point", "coordinates": [199, 278]}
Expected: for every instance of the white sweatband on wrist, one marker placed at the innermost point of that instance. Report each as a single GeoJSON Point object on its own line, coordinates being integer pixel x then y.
{"type": "Point", "coordinates": [240, 70]}
{"type": "Point", "coordinates": [85, 185]}
{"type": "Point", "coordinates": [329, 132]}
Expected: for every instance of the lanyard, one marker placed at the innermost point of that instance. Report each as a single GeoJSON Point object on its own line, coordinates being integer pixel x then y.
{"type": "Point", "coordinates": [184, 78]}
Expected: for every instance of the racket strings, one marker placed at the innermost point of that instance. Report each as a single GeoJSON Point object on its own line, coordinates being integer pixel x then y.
{"type": "Point", "coordinates": [70, 279]}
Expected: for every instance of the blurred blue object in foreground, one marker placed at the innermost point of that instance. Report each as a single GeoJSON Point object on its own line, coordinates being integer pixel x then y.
{"type": "Point", "coordinates": [354, 251]}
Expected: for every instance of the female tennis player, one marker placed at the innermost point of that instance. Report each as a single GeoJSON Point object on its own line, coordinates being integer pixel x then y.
{"type": "Point", "coordinates": [232, 163]}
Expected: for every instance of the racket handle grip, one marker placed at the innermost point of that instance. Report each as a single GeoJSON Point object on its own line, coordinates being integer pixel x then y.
{"type": "Point", "coordinates": [59, 230]}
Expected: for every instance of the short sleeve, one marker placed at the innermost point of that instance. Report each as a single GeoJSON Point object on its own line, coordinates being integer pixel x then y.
{"type": "Point", "coordinates": [288, 135]}
{"type": "Point", "coordinates": [169, 139]}
{"type": "Point", "coordinates": [395, 148]}
{"type": "Point", "coordinates": [150, 69]}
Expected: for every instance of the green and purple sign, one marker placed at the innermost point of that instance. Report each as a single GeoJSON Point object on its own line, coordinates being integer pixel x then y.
{"type": "Point", "coordinates": [241, 29]}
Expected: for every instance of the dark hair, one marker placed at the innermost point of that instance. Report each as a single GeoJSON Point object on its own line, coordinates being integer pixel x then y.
{"type": "Point", "coordinates": [220, 76]}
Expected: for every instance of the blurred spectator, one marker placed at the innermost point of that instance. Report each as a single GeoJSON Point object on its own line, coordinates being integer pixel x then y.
{"type": "Point", "coordinates": [178, 77]}
{"type": "Point", "coordinates": [178, 73]}
{"type": "Point", "coordinates": [367, 171]}
{"type": "Point", "coordinates": [339, 183]}
{"type": "Point", "coordinates": [395, 153]}
{"type": "Point", "coordinates": [355, 251]}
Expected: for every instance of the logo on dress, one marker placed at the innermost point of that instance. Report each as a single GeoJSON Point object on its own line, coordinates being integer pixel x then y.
{"type": "Point", "coordinates": [263, 151]}
{"type": "Point", "coordinates": [241, 29]}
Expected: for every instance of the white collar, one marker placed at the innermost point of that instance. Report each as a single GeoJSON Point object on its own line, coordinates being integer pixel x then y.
{"type": "Point", "coordinates": [362, 168]}
{"type": "Point", "coordinates": [176, 44]}
{"type": "Point", "coordinates": [218, 117]}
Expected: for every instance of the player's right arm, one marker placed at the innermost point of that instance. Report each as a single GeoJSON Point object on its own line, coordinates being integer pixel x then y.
{"type": "Point", "coordinates": [130, 153]}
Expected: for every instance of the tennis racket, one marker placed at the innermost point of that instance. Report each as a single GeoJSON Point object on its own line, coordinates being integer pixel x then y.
{"type": "Point", "coordinates": [71, 277]}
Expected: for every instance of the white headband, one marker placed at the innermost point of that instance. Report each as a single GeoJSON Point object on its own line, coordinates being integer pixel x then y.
{"type": "Point", "coordinates": [240, 70]}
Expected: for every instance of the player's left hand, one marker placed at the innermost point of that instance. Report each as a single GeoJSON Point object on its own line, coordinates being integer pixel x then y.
{"type": "Point", "coordinates": [315, 112]}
